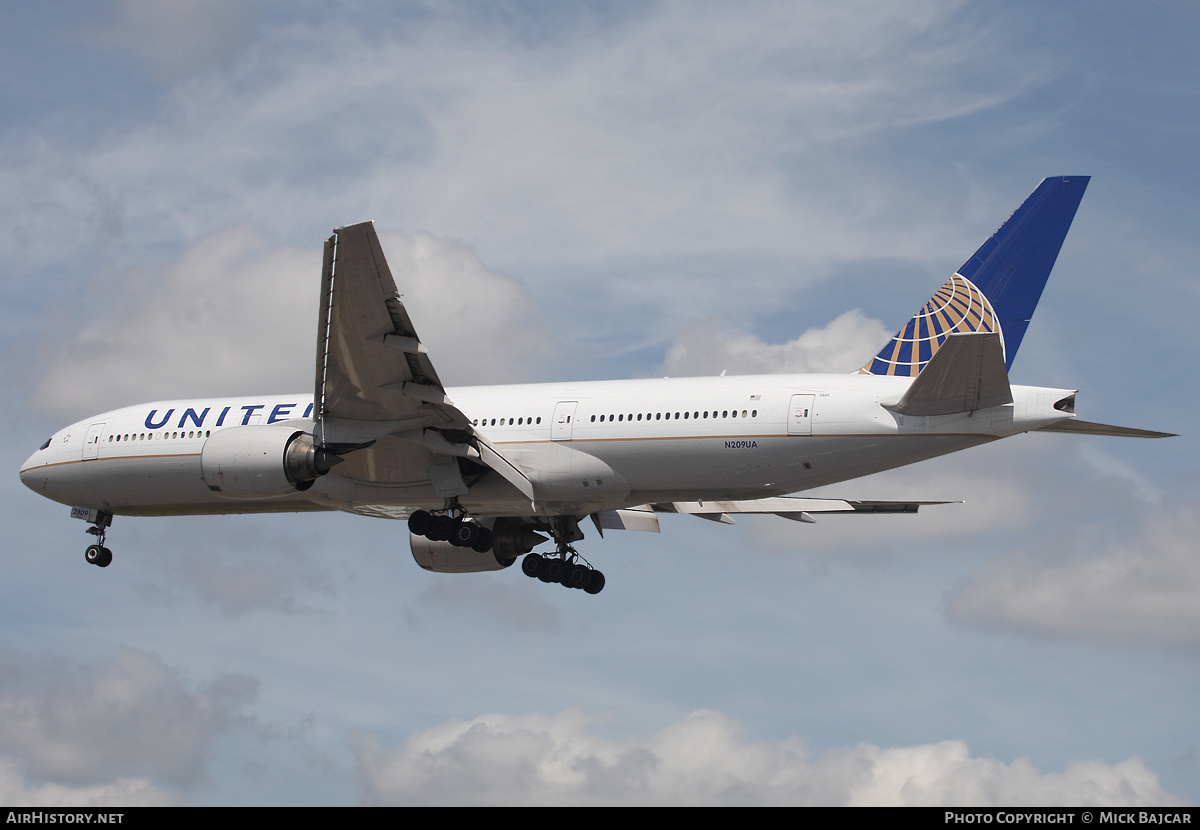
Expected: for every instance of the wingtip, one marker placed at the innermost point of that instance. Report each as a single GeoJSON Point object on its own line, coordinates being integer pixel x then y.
{"type": "Point", "coordinates": [370, 222]}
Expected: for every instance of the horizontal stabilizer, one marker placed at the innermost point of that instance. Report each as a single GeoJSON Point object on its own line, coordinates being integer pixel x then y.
{"type": "Point", "coordinates": [965, 374]}
{"type": "Point", "coordinates": [788, 506]}
{"type": "Point", "coordinates": [1089, 428]}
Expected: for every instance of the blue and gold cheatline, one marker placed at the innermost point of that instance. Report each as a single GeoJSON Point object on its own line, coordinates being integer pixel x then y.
{"type": "Point", "coordinates": [958, 306]}
{"type": "Point", "coordinates": [997, 289]}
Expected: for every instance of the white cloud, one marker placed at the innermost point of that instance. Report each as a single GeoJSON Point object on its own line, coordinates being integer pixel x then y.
{"type": "Point", "coordinates": [232, 315]}
{"type": "Point", "coordinates": [480, 327]}
{"type": "Point", "coordinates": [677, 128]}
{"type": "Point", "coordinates": [703, 760]}
{"type": "Point", "coordinates": [844, 345]}
{"type": "Point", "coordinates": [1142, 588]}
{"type": "Point", "coordinates": [98, 725]}
{"type": "Point", "coordinates": [235, 315]}
{"type": "Point", "coordinates": [124, 792]}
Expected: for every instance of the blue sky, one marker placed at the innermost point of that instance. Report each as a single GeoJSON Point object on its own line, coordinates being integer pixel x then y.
{"type": "Point", "coordinates": [604, 191]}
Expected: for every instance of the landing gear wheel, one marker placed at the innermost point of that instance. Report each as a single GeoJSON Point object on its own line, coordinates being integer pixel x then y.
{"type": "Point", "coordinates": [551, 571]}
{"type": "Point", "coordinates": [440, 528]}
{"type": "Point", "coordinates": [418, 522]}
{"type": "Point", "coordinates": [533, 564]}
{"type": "Point", "coordinates": [98, 555]}
{"type": "Point", "coordinates": [595, 584]}
{"type": "Point", "coordinates": [483, 542]}
{"type": "Point", "coordinates": [577, 576]}
{"type": "Point", "coordinates": [464, 534]}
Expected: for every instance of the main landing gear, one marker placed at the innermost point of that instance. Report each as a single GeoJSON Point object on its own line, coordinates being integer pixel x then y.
{"type": "Point", "coordinates": [453, 526]}
{"type": "Point", "coordinates": [97, 554]}
{"type": "Point", "coordinates": [564, 566]}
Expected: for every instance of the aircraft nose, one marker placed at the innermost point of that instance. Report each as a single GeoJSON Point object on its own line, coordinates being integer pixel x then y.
{"type": "Point", "coordinates": [31, 466]}
{"type": "Point", "coordinates": [27, 470]}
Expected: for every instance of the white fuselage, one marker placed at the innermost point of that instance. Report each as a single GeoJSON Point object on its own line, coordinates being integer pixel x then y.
{"type": "Point", "coordinates": [584, 446]}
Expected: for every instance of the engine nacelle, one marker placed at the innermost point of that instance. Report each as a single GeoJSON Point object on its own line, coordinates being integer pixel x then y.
{"type": "Point", "coordinates": [260, 462]}
{"type": "Point", "coordinates": [511, 539]}
{"type": "Point", "coordinates": [445, 558]}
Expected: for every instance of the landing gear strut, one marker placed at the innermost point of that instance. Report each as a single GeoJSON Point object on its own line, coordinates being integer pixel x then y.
{"type": "Point", "coordinates": [97, 554]}
{"type": "Point", "coordinates": [565, 566]}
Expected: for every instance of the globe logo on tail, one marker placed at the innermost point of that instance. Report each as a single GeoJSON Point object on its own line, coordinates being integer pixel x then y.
{"type": "Point", "coordinates": [958, 306]}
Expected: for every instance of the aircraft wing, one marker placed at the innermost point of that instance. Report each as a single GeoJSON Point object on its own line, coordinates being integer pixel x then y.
{"type": "Point", "coordinates": [795, 508]}
{"type": "Point", "coordinates": [378, 398]}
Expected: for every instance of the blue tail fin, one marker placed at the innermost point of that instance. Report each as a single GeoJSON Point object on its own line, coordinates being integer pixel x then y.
{"type": "Point", "coordinates": [997, 289]}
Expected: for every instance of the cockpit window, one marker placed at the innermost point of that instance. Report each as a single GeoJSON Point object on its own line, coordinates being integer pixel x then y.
{"type": "Point", "coordinates": [48, 440]}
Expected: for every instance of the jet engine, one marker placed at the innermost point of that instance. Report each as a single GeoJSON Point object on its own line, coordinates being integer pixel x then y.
{"type": "Point", "coordinates": [265, 461]}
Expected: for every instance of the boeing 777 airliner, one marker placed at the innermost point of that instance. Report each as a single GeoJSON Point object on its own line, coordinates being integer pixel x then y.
{"type": "Point", "coordinates": [480, 474]}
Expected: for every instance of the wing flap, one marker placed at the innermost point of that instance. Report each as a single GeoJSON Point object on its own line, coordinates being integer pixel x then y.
{"type": "Point", "coordinates": [630, 518]}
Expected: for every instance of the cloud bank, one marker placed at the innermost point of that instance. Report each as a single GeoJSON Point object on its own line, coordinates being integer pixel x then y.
{"type": "Point", "coordinates": [843, 345]}
{"type": "Point", "coordinates": [110, 726]}
{"type": "Point", "coordinates": [703, 760]}
{"type": "Point", "coordinates": [1142, 588]}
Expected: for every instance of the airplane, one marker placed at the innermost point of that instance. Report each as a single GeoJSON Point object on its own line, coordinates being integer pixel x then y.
{"type": "Point", "coordinates": [482, 475]}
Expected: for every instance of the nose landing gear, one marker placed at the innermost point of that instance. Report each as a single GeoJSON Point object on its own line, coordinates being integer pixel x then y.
{"type": "Point", "coordinates": [97, 554]}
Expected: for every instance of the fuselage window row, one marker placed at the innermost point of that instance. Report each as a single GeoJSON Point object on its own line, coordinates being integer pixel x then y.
{"type": "Point", "coordinates": [695, 416]}
{"type": "Point", "coordinates": [506, 421]}
{"type": "Point", "coordinates": [623, 418]}
{"type": "Point", "coordinates": [149, 436]}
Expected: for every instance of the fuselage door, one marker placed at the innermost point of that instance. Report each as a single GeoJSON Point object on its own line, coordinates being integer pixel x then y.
{"type": "Point", "coordinates": [561, 426]}
{"type": "Point", "coordinates": [91, 441]}
{"type": "Point", "coordinates": [800, 415]}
